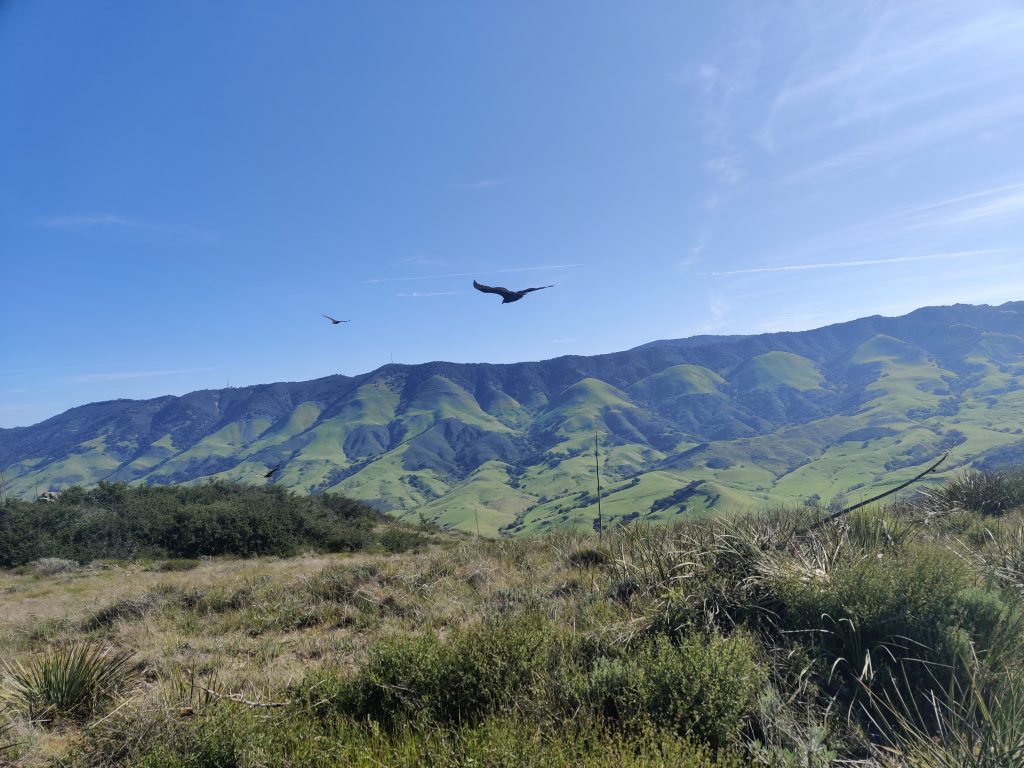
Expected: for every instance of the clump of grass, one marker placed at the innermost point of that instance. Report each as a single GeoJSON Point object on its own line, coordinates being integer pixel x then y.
{"type": "Point", "coordinates": [588, 557]}
{"type": "Point", "coordinates": [71, 681]}
{"type": "Point", "coordinates": [50, 566]}
{"type": "Point", "coordinates": [177, 564]}
{"type": "Point", "coordinates": [989, 493]}
{"type": "Point", "coordinates": [975, 724]}
{"type": "Point", "coordinates": [5, 746]}
{"type": "Point", "coordinates": [128, 608]}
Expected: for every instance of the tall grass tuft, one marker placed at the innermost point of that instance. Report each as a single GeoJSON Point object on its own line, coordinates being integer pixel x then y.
{"type": "Point", "coordinates": [990, 493]}
{"type": "Point", "coordinates": [976, 724]}
{"type": "Point", "coordinates": [71, 681]}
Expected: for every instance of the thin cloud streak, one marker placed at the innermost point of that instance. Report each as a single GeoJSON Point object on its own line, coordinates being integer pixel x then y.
{"type": "Point", "coordinates": [471, 274]}
{"type": "Point", "coordinates": [90, 378]}
{"type": "Point", "coordinates": [80, 222]}
{"type": "Point", "coordinates": [914, 139]}
{"type": "Point", "coordinates": [861, 262]}
{"type": "Point", "coordinates": [421, 294]}
{"type": "Point", "coordinates": [83, 221]}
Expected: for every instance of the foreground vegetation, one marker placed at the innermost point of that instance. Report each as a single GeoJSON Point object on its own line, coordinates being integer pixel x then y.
{"type": "Point", "coordinates": [891, 637]}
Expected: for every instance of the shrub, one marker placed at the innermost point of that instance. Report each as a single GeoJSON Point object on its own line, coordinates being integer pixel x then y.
{"type": "Point", "coordinates": [477, 671]}
{"type": "Point", "coordinates": [703, 688]}
{"type": "Point", "coordinates": [396, 540]}
{"type": "Point", "coordinates": [866, 617]}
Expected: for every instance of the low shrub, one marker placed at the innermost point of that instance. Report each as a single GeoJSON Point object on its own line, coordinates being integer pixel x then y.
{"type": "Point", "coordinates": [396, 540]}
{"type": "Point", "coordinates": [701, 687]}
{"type": "Point", "coordinates": [475, 672]}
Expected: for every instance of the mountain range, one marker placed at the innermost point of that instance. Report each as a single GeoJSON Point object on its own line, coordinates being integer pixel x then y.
{"type": "Point", "coordinates": [681, 427]}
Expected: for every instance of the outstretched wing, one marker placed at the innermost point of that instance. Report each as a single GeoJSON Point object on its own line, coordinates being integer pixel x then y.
{"type": "Point", "coordinates": [489, 289]}
{"type": "Point", "coordinates": [541, 288]}
{"type": "Point", "coordinates": [335, 321]}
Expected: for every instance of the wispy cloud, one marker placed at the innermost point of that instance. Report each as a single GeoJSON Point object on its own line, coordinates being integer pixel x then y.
{"type": "Point", "coordinates": [83, 221]}
{"type": "Point", "coordinates": [717, 309]}
{"type": "Point", "coordinates": [890, 65]}
{"type": "Point", "coordinates": [917, 137]}
{"type": "Point", "coordinates": [471, 274]}
{"type": "Point", "coordinates": [864, 262]}
{"type": "Point", "coordinates": [422, 294]}
{"type": "Point", "coordinates": [91, 378]}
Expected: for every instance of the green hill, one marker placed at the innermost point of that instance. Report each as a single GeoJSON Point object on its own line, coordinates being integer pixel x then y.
{"type": "Point", "coordinates": [744, 422]}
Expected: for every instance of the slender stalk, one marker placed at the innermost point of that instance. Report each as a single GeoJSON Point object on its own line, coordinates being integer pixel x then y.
{"type": "Point", "coordinates": [597, 474]}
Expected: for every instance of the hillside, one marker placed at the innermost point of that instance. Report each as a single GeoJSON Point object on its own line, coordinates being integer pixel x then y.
{"type": "Point", "coordinates": [685, 426]}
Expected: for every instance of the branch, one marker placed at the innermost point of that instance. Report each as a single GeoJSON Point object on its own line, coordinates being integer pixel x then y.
{"type": "Point", "coordinates": [239, 700]}
{"type": "Point", "coordinates": [873, 499]}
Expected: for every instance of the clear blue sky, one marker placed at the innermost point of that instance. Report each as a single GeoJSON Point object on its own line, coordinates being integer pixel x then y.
{"type": "Point", "coordinates": [186, 186]}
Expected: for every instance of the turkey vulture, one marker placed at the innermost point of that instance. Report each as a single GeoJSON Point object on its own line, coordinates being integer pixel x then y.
{"type": "Point", "coordinates": [333, 321]}
{"type": "Point", "coordinates": [270, 472]}
{"type": "Point", "coordinates": [507, 296]}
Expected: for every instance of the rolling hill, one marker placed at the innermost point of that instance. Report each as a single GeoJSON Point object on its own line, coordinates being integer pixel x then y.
{"type": "Point", "coordinates": [685, 427]}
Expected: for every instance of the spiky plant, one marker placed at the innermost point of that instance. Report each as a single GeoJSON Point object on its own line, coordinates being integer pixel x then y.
{"type": "Point", "coordinates": [977, 724]}
{"type": "Point", "coordinates": [70, 681]}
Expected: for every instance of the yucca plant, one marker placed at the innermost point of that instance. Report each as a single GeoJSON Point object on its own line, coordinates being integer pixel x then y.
{"type": "Point", "coordinates": [68, 682]}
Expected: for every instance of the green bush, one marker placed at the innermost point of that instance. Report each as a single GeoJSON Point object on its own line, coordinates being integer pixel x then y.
{"type": "Point", "coordinates": [702, 687]}
{"type": "Point", "coordinates": [869, 616]}
{"type": "Point", "coordinates": [241, 737]}
{"type": "Point", "coordinates": [477, 671]}
{"type": "Point", "coordinates": [396, 540]}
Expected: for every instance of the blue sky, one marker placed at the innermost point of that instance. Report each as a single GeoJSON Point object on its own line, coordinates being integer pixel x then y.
{"type": "Point", "coordinates": [185, 187]}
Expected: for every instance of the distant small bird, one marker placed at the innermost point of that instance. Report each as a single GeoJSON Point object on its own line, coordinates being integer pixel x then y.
{"type": "Point", "coordinates": [507, 296]}
{"type": "Point", "coordinates": [333, 321]}
{"type": "Point", "coordinates": [270, 472]}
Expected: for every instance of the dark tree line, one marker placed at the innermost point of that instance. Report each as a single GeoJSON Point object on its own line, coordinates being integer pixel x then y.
{"type": "Point", "coordinates": [114, 520]}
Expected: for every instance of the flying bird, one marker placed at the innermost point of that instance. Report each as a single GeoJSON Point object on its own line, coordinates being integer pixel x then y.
{"type": "Point", "coordinates": [270, 472]}
{"type": "Point", "coordinates": [507, 296]}
{"type": "Point", "coordinates": [333, 321]}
